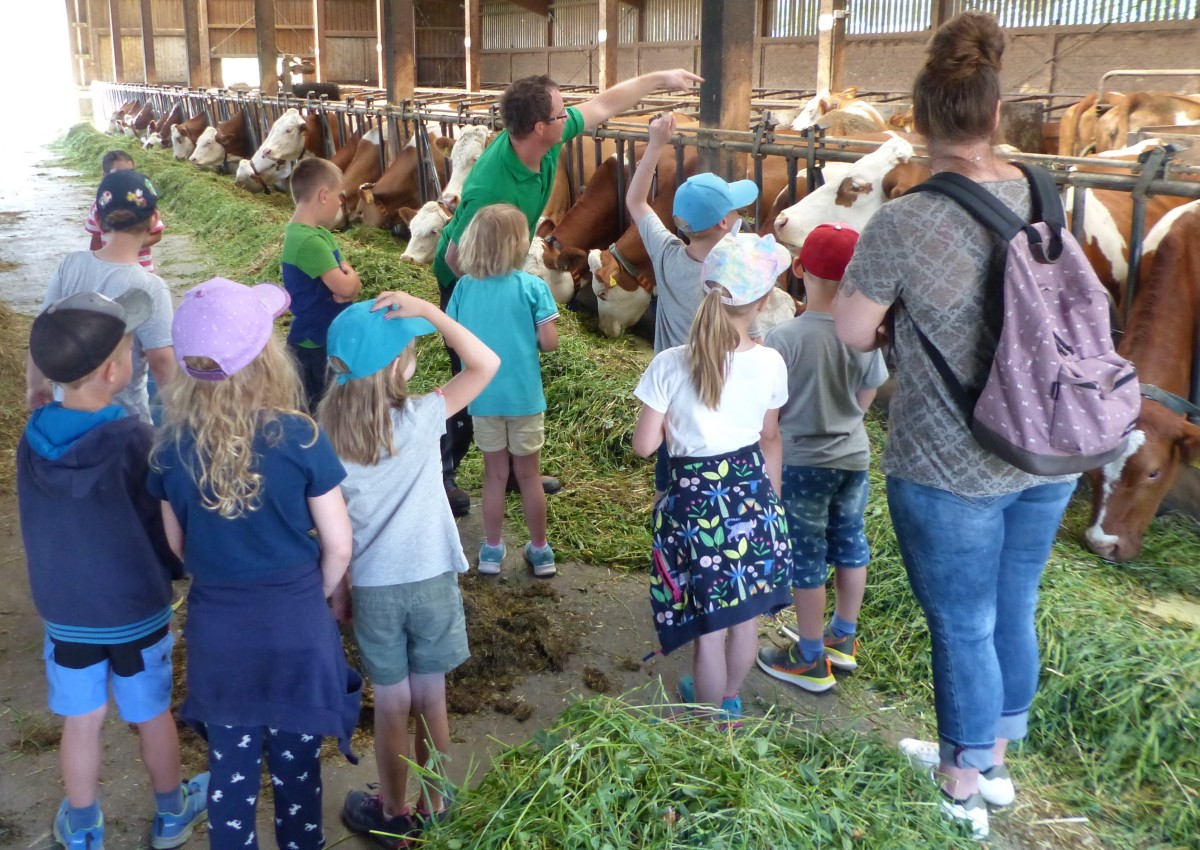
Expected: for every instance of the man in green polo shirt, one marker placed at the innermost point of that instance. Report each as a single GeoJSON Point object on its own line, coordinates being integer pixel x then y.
{"type": "Point", "coordinates": [518, 168]}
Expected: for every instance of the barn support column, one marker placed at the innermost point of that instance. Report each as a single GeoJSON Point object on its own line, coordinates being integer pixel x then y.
{"type": "Point", "coordinates": [943, 10]}
{"type": "Point", "coordinates": [606, 40]}
{"type": "Point", "coordinates": [473, 43]}
{"type": "Point", "coordinates": [79, 72]}
{"type": "Point", "coordinates": [726, 49]}
{"type": "Point", "coordinates": [319, 39]}
{"type": "Point", "coordinates": [398, 34]}
{"type": "Point", "coordinates": [199, 65]}
{"type": "Point", "coordinates": [268, 54]}
{"type": "Point", "coordinates": [831, 44]}
{"type": "Point", "coordinates": [114, 29]}
{"type": "Point", "coordinates": [150, 69]}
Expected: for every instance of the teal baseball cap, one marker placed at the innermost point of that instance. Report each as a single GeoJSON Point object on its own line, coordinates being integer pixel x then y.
{"type": "Point", "coordinates": [367, 341]}
{"type": "Point", "coordinates": [705, 199]}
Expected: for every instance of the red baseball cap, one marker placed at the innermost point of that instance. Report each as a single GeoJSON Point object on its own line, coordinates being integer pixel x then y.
{"type": "Point", "coordinates": [827, 250]}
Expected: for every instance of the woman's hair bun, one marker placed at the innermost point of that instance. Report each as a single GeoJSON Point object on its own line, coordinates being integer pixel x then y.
{"type": "Point", "coordinates": [966, 44]}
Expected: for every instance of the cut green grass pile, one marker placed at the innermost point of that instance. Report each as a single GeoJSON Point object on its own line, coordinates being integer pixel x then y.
{"type": "Point", "coordinates": [1115, 733]}
{"type": "Point", "coordinates": [601, 514]}
{"type": "Point", "coordinates": [613, 775]}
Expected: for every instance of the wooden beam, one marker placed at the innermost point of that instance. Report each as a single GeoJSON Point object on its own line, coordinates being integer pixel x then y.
{"type": "Point", "coordinates": [942, 11]}
{"type": "Point", "coordinates": [473, 43]}
{"type": "Point", "coordinates": [149, 67]}
{"type": "Point", "coordinates": [73, 30]}
{"type": "Point", "coordinates": [398, 32]}
{"type": "Point", "coordinates": [95, 15]}
{"type": "Point", "coordinates": [268, 54]}
{"type": "Point", "coordinates": [726, 52]}
{"type": "Point", "coordinates": [606, 41]}
{"type": "Point", "coordinates": [319, 33]}
{"type": "Point", "coordinates": [538, 7]}
{"type": "Point", "coordinates": [114, 29]}
{"type": "Point", "coordinates": [199, 65]}
{"type": "Point", "coordinates": [831, 44]}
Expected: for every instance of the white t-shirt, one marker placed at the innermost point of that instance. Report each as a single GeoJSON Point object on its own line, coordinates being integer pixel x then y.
{"type": "Point", "coordinates": [403, 528]}
{"type": "Point", "coordinates": [756, 383]}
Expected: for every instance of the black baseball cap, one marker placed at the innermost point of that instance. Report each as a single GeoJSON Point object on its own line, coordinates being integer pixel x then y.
{"type": "Point", "coordinates": [73, 337]}
{"type": "Point", "coordinates": [126, 190]}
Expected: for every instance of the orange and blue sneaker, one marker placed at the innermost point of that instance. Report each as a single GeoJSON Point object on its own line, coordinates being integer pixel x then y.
{"type": "Point", "coordinates": [841, 651]}
{"type": "Point", "coordinates": [787, 666]}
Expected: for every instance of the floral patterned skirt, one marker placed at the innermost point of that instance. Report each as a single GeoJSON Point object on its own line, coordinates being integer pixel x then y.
{"type": "Point", "coordinates": [721, 551]}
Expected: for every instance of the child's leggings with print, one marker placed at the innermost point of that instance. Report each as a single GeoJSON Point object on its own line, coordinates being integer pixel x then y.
{"type": "Point", "coordinates": [235, 762]}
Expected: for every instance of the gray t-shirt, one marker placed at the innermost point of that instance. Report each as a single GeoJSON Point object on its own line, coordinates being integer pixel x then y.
{"type": "Point", "coordinates": [403, 528]}
{"type": "Point", "coordinates": [928, 253]}
{"type": "Point", "coordinates": [678, 281]}
{"type": "Point", "coordinates": [821, 422]}
{"type": "Point", "coordinates": [83, 271]}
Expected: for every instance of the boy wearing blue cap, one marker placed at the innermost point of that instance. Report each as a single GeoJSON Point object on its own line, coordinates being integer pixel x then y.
{"type": "Point", "coordinates": [705, 210]}
{"type": "Point", "coordinates": [407, 610]}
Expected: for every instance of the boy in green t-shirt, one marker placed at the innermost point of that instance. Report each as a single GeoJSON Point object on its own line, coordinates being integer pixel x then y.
{"type": "Point", "coordinates": [319, 281]}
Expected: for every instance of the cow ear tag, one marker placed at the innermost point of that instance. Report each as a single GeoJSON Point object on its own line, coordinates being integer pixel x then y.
{"type": "Point", "coordinates": [612, 281]}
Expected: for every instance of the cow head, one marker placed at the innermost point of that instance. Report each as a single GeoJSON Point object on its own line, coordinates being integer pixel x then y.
{"type": "Point", "coordinates": [463, 156]}
{"type": "Point", "coordinates": [210, 152]}
{"type": "Point", "coordinates": [562, 284]}
{"type": "Point", "coordinates": [372, 212]}
{"type": "Point", "coordinates": [285, 141]}
{"type": "Point", "coordinates": [154, 140]}
{"type": "Point", "coordinates": [618, 306]}
{"type": "Point", "coordinates": [425, 228]}
{"type": "Point", "coordinates": [852, 199]}
{"type": "Point", "coordinates": [1127, 492]}
{"type": "Point", "coordinates": [181, 146]}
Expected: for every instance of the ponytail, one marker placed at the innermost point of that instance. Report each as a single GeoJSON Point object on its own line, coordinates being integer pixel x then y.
{"type": "Point", "coordinates": [711, 343]}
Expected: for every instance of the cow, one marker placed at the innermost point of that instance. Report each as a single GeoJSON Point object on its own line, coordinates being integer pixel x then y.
{"type": "Point", "coordinates": [424, 228]}
{"type": "Point", "coordinates": [1161, 342]}
{"type": "Point", "coordinates": [218, 145]}
{"type": "Point", "coordinates": [805, 116]}
{"type": "Point", "coordinates": [160, 130]}
{"type": "Point", "coordinates": [345, 153]}
{"type": "Point", "coordinates": [136, 124]}
{"type": "Point", "coordinates": [399, 185]}
{"type": "Point", "coordinates": [1077, 127]}
{"type": "Point", "coordinates": [852, 199]}
{"type": "Point", "coordinates": [288, 141]}
{"type": "Point", "coordinates": [470, 143]}
{"type": "Point", "coordinates": [1144, 109]}
{"type": "Point", "coordinates": [363, 168]}
{"type": "Point", "coordinates": [185, 135]}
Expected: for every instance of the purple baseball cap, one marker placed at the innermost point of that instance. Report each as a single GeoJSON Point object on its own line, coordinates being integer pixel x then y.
{"type": "Point", "coordinates": [227, 322]}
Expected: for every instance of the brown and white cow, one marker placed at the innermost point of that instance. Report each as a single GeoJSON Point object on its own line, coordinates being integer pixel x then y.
{"type": "Point", "coordinates": [363, 168]}
{"type": "Point", "coordinates": [399, 186]}
{"type": "Point", "coordinates": [1077, 127]}
{"type": "Point", "coordinates": [159, 135]}
{"type": "Point", "coordinates": [217, 146]}
{"type": "Point", "coordinates": [291, 138]}
{"type": "Point", "coordinates": [470, 144]}
{"type": "Point", "coordinates": [185, 135]}
{"type": "Point", "coordinates": [1144, 109]}
{"type": "Point", "coordinates": [425, 224]}
{"type": "Point", "coordinates": [1161, 341]}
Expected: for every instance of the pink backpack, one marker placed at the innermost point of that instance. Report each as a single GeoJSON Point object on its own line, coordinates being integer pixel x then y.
{"type": "Point", "coordinates": [1058, 398]}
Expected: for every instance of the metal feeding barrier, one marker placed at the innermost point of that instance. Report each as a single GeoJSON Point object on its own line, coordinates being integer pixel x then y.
{"type": "Point", "coordinates": [1157, 172]}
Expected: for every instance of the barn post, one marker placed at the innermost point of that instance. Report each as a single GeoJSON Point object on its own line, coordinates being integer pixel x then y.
{"type": "Point", "coordinates": [726, 57]}
{"type": "Point", "coordinates": [149, 68]}
{"type": "Point", "coordinates": [943, 10]}
{"type": "Point", "coordinates": [319, 39]}
{"type": "Point", "coordinates": [268, 54]}
{"type": "Point", "coordinates": [114, 29]}
{"type": "Point", "coordinates": [399, 56]}
{"type": "Point", "coordinates": [95, 18]}
{"type": "Point", "coordinates": [606, 40]}
{"type": "Point", "coordinates": [473, 43]}
{"type": "Point", "coordinates": [199, 67]}
{"type": "Point", "coordinates": [831, 44]}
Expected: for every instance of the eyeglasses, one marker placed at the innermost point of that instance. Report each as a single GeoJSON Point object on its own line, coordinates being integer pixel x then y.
{"type": "Point", "coordinates": [562, 117]}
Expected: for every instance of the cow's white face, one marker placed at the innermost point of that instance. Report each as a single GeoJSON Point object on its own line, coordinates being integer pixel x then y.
{"type": "Point", "coordinates": [209, 153]}
{"type": "Point", "coordinates": [617, 308]}
{"type": "Point", "coordinates": [154, 140]}
{"type": "Point", "coordinates": [425, 229]}
{"type": "Point", "coordinates": [811, 111]}
{"type": "Point", "coordinates": [562, 285]}
{"type": "Point", "coordinates": [463, 156]}
{"type": "Point", "coordinates": [852, 199]}
{"type": "Point", "coordinates": [285, 141]}
{"type": "Point", "coordinates": [181, 146]}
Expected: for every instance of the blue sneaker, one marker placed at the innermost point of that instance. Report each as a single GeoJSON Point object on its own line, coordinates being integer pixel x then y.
{"type": "Point", "coordinates": [89, 838]}
{"type": "Point", "coordinates": [172, 829]}
{"type": "Point", "coordinates": [491, 557]}
{"type": "Point", "coordinates": [541, 560]}
{"type": "Point", "coordinates": [732, 706]}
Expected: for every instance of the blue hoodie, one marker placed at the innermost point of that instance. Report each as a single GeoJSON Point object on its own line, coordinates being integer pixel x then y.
{"type": "Point", "coordinates": [99, 565]}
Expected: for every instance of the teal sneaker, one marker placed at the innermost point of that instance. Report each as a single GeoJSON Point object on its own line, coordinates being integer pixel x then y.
{"type": "Point", "coordinates": [731, 706]}
{"type": "Point", "coordinates": [171, 829]}
{"type": "Point", "coordinates": [541, 560]}
{"type": "Point", "coordinates": [89, 838]}
{"type": "Point", "coordinates": [490, 558]}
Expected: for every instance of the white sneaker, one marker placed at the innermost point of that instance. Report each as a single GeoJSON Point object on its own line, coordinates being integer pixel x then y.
{"type": "Point", "coordinates": [972, 811]}
{"type": "Point", "coordinates": [921, 753]}
{"type": "Point", "coordinates": [996, 787]}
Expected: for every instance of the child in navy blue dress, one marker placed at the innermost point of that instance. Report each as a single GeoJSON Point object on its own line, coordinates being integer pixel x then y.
{"type": "Point", "coordinates": [251, 503]}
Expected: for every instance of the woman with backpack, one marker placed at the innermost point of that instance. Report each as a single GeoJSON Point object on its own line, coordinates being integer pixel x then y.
{"type": "Point", "coordinates": [973, 530]}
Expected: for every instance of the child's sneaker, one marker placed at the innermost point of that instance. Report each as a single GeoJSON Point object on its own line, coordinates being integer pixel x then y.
{"type": "Point", "coordinates": [841, 651]}
{"type": "Point", "coordinates": [490, 558]}
{"type": "Point", "coordinates": [363, 813]}
{"type": "Point", "coordinates": [922, 754]}
{"type": "Point", "coordinates": [541, 560]}
{"type": "Point", "coordinates": [996, 786]}
{"type": "Point", "coordinates": [88, 838]}
{"type": "Point", "coordinates": [787, 666]}
{"type": "Point", "coordinates": [971, 811]}
{"type": "Point", "coordinates": [172, 829]}
{"type": "Point", "coordinates": [732, 706]}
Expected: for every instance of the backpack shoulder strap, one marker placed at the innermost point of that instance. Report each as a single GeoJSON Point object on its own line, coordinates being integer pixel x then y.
{"type": "Point", "coordinates": [979, 202]}
{"type": "Point", "coordinates": [1047, 208]}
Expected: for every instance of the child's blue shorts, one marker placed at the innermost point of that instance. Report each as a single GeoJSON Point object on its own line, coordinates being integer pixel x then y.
{"type": "Point", "coordinates": [141, 678]}
{"type": "Point", "coordinates": [825, 521]}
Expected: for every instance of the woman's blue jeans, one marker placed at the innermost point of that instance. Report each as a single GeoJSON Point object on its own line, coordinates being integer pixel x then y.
{"type": "Point", "coordinates": [974, 565]}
